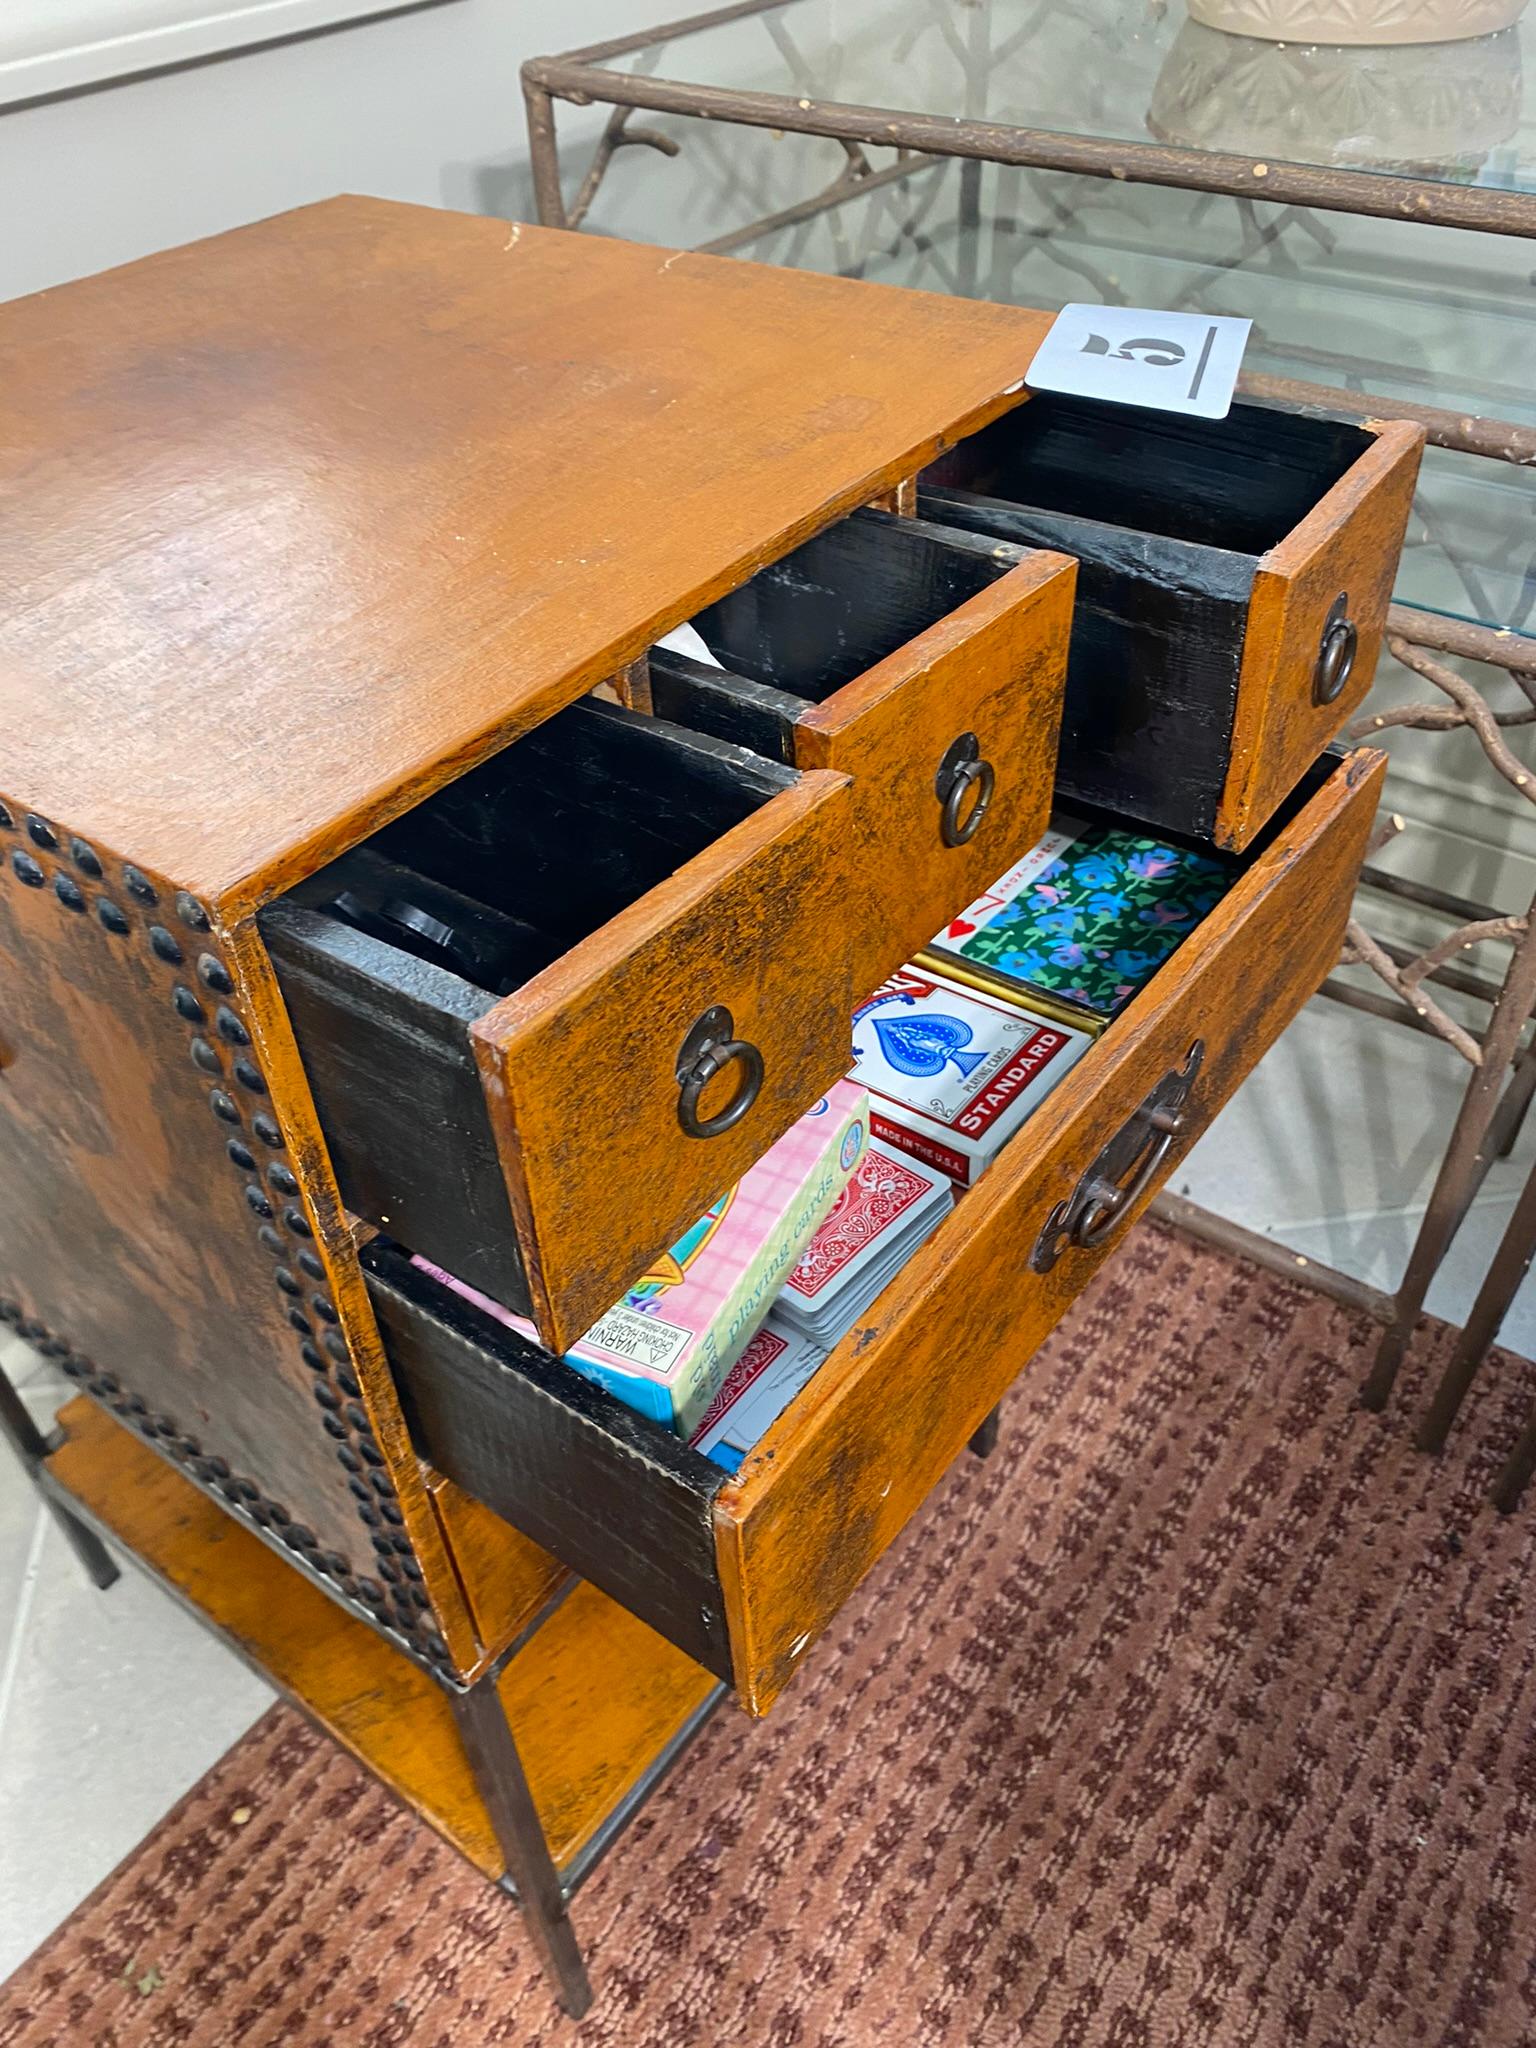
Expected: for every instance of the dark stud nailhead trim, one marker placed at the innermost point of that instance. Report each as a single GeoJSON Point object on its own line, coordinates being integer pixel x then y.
{"type": "Point", "coordinates": [299, 1320]}
{"type": "Point", "coordinates": [312, 1357]}
{"type": "Point", "coordinates": [336, 1344]}
{"type": "Point", "coordinates": [283, 1178]}
{"type": "Point", "coordinates": [165, 944]}
{"type": "Point", "coordinates": [324, 1309]}
{"type": "Point", "coordinates": [369, 1451]}
{"type": "Point", "coordinates": [138, 884]}
{"type": "Point", "coordinates": [270, 1241]}
{"type": "Point", "coordinates": [411, 1568]}
{"type": "Point", "coordinates": [186, 1005]}
{"type": "Point", "coordinates": [257, 1201]}
{"type": "Point", "coordinates": [369, 1515]}
{"type": "Point", "coordinates": [390, 1512]}
{"type": "Point", "coordinates": [10, 1311]}
{"type": "Point", "coordinates": [219, 1468]}
{"type": "Point", "coordinates": [204, 1056]}
{"type": "Point", "coordinates": [110, 917]}
{"type": "Point", "coordinates": [288, 1282]}
{"type": "Point", "coordinates": [7, 822]}
{"type": "Point", "coordinates": [357, 1417]}
{"type": "Point", "coordinates": [297, 1222]}
{"type": "Point", "coordinates": [310, 1264]}
{"type": "Point", "coordinates": [335, 1563]}
{"type": "Point", "coordinates": [348, 1383]}
{"type": "Point", "coordinates": [212, 972]}
{"type": "Point", "coordinates": [371, 1591]}
{"type": "Point", "coordinates": [191, 912]}
{"type": "Point", "coordinates": [335, 1428]}
{"type": "Point", "coordinates": [223, 1107]}
{"type": "Point", "coordinates": [349, 1458]}
{"type": "Point", "coordinates": [230, 1028]}
{"type": "Point", "coordinates": [85, 859]}
{"type": "Point", "coordinates": [386, 1569]}
{"type": "Point", "coordinates": [326, 1395]}
{"type": "Point", "coordinates": [360, 1489]}
{"type": "Point", "coordinates": [67, 889]}
{"type": "Point", "coordinates": [382, 1483]}
{"type": "Point", "coordinates": [27, 869]}
{"type": "Point", "coordinates": [267, 1131]}
{"type": "Point", "coordinates": [242, 1155]}
{"type": "Point", "coordinates": [250, 1077]}
{"type": "Point", "coordinates": [40, 832]}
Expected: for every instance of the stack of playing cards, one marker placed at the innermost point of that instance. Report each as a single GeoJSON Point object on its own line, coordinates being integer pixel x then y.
{"type": "Point", "coordinates": [667, 1346]}
{"type": "Point", "coordinates": [891, 1206]}
{"type": "Point", "coordinates": [1086, 918]}
{"type": "Point", "coordinates": [951, 1072]}
{"type": "Point", "coordinates": [758, 1388]}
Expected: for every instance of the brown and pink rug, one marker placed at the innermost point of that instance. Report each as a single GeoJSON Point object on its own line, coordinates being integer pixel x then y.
{"type": "Point", "coordinates": [1204, 1713]}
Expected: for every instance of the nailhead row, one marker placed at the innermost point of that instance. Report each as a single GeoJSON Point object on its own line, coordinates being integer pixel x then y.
{"type": "Point", "coordinates": [219, 1049]}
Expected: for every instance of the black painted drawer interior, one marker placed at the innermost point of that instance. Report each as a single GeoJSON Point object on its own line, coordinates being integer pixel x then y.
{"type": "Point", "coordinates": [1169, 518]}
{"type": "Point", "coordinates": [388, 955]}
{"type": "Point", "coordinates": [821, 616]}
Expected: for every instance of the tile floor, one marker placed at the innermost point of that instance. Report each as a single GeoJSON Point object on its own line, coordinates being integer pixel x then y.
{"type": "Point", "coordinates": [112, 1705]}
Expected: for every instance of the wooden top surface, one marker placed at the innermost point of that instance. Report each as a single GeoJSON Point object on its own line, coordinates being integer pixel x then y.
{"type": "Point", "coordinates": [297, 523]}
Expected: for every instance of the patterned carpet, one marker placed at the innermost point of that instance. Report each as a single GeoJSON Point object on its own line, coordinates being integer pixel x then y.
{"type": "Point", "coordinates": [1201, 1714]}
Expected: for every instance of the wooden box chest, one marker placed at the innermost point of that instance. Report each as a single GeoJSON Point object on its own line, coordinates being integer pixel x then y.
{"type": "Point", "coordinates": [340, 918]}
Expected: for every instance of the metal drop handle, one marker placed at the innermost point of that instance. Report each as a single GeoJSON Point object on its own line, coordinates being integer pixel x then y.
{"type": "Point", "coordinates": [709, 1049]}
{"type": "Point", "coordinates": [962, 771]}
{"type": "Point", "coordinates": [1109, 1203]}
{"type": "Point", "coordinates": [1336, 653]}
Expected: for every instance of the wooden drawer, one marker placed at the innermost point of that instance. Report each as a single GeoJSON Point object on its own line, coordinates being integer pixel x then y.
{"type": "Point", "coordinates": [743, 1571]}
{"type": "Point", "coordinates": [926, 663]}
{"type": "Point", "coordinates": [1232, 589]}
{"type": "Point", "coordinates": [499, 995]}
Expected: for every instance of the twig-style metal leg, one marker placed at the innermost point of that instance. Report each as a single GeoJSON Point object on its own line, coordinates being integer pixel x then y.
{"type": "Point", "coordinates": [984, 1442]}
{"type": "Point", "coordinates": [1511, 1263]}
{"type": "Point", "coordinates": [1464, 1165]}
{"type": "Point", "coordinates": [544, 155]}
{"type": "Point", "coordinates": [488, 1743]}
{"type": "Point", "coordinates": [31, 1446]}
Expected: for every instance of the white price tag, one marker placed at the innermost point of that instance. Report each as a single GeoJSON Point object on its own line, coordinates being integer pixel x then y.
{"type": "Point", "coordinates": [1177, 362]}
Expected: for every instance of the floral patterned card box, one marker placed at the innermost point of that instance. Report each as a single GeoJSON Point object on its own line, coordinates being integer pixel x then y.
{"type": "Point", "coordinates": [1090, 914]}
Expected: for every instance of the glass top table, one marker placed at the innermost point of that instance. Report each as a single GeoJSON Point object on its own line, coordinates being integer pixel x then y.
{"type": "Point", "coordinates": [1366, 206]}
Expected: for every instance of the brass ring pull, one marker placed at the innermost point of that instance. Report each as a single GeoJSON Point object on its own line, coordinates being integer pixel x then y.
{"type": "Point", "coordinates": [1336, 654]}
{"type": "Point", "coordinates": [710, 1047]}
{"type": "Point", "coordinates": [961, 771]}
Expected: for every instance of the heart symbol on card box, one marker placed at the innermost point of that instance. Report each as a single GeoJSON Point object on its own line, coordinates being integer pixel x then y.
{"type": "Point", "coordinates": [923, 1046]}
{"type": "Point", "coordinates": [959, 929]}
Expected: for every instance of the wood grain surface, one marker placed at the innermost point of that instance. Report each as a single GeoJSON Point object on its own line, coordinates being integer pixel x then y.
{"type": "Point", "coordinates": [994, 667]}
{"type": "Point", "coordinates": [593, 1697]}
{"type": "Point", "coordinates": [1347, 546]}
{"type": "Point", "coordinates": [298, 523]}
{"type": "Point", "coordinates": [506, 1578]}
{"type": "Point", "coordinates": [831, 1484]}
{"type": "Point", "coordinates": [580, 1065]}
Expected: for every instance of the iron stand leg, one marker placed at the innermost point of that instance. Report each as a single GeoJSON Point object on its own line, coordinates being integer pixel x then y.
{"type": "Point", "coordinates": [1466, 1161]}
{"type": "Point", "coordinates": [1512, 1481]}
{"type": "Point", "coordinates": [1511, 1263]}
{"type": "Point", "coordinates": [984, 1442]}
{"type": "Point", "coordinates": [31, 1446]}
{"type": "Point", "coordinates": [544, 154]}
{"type": "Point", "coordinates": [492, 1751]}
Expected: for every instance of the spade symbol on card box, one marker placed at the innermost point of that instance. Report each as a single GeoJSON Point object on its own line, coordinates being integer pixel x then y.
{"type": "Point", "coordinates": [925, 1045]}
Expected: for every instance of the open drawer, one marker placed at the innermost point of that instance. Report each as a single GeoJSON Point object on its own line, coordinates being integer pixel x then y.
{"type": "Point", "coordinates": [929, 666]}
{"type": "Point", "coordinates": [614, 941]}
{"type": "Point", "coordinates": [1232, 589]}
{"type": "Point", "coordinates": [743, 1571]}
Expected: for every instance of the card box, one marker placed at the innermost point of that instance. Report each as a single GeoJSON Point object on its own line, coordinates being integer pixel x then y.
{"type": "Point", "coordinates": [1088, 915]}
{"type": "Point", "coordinates": [952, 1074]}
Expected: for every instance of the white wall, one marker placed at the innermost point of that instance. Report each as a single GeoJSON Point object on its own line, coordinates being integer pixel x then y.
{"type": "Point", "coordinates": [424, 106]}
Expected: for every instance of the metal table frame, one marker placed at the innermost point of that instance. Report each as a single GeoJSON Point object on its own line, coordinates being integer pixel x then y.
{"type": "Point", "coordinates": [1501, 1055]}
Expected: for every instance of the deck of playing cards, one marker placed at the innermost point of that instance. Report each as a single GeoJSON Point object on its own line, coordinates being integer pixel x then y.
{"type": "Point", "coordinates": [891, 1206]}
{"type": "Point", "coordinates": [758, 1388]}
{"type": "Point", "coordinates": [667, 1346]}
{"type": "Point", "coordinates": [951, 1073]}
{"type": "Point", "coordinates": [1088, 915]}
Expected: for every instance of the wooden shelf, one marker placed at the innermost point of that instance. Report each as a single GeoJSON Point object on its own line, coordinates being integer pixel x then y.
{"type": "Point", "coordinates": [594, 1697]}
